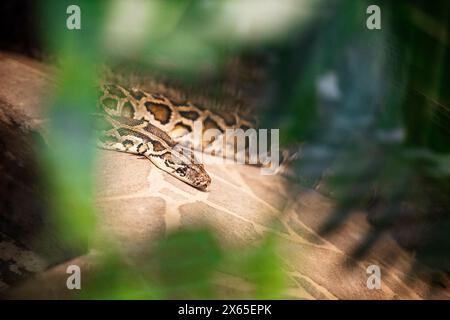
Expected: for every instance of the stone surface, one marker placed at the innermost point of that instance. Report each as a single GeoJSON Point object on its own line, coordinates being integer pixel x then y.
{"type": "Point", "coordinates": [137, 203]}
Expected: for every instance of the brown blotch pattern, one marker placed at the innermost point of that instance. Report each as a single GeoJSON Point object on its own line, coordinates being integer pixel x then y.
{"type": "Point", "coordinates": [127, 143]}
{"type": "Point", "coordinates": [191, 115]}
{"type": "Point", "coordinates": [167, 157]}
{"type": "Point", "coordinates": [142, 148]}
{"type": "Point", "coordinates": [211, 124]}
{"type": "Point", "coordinates": [160, 134]}
{"type": "Point", "coordinates": [160, 112]}
{"type": "Point", "coordinates": [127, 110]}
{"type": "Point", "coordinates": [182, 128]}
{"type": "Point", "coordinates": [127, 132]}
{"type": "Point", "coordinates": [157, 146]}
{"type": "Point", "coordinates": [130, 122]}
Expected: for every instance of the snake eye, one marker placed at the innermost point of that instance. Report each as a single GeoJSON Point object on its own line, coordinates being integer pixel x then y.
{"type": "Point", "coordinates": [181, 171]}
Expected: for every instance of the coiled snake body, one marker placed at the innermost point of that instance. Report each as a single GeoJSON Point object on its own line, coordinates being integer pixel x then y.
{"type": "Point", "coordinates": [153, 126]}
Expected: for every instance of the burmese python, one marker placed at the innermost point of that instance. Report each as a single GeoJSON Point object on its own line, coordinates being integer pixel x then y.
{"type": "Point", "coordinates": [154, 126]}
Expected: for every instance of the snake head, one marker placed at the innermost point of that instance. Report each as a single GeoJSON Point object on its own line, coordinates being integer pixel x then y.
{"type": "Point", "coordinates": [197, 176]}
{"type": "Point", "coordinates": [183, 168]}
{"type": "Point", "coordinates": [193, 174]}
{"type": "Point", "coordinates": [188, 169]}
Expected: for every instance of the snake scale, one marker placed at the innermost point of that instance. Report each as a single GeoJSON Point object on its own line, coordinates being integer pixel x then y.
{"type": "Point", "coordinates": [152, 125]}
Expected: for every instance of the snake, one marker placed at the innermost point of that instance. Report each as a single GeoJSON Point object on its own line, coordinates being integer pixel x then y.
{"type": "Point", "coordinates": [156, 127]}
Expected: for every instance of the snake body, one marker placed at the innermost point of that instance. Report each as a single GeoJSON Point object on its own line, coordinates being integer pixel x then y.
{"type": "Point", "coordinates": [152, 125]}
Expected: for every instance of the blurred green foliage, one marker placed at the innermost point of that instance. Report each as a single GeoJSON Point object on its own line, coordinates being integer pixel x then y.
{"type": "Point", "coordinates": [382, 143]}
{"type": "Point", "coordinates": [68, 163]}
{"type": "Point", "coordinates": [185, 265]}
